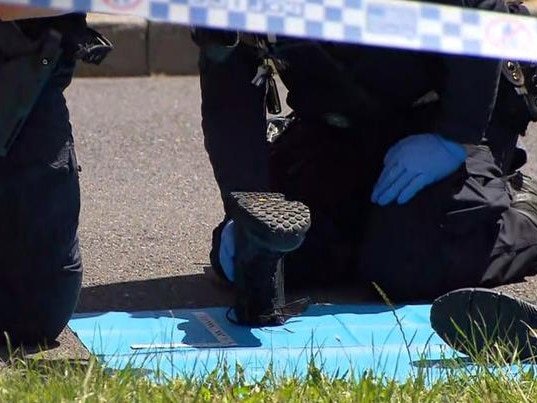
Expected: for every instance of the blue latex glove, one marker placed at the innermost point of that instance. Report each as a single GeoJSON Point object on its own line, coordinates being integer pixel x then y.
{"type": "Point", "coordinates": [413, 163]}
{"type": "Point", "coordinates": [226, 254]}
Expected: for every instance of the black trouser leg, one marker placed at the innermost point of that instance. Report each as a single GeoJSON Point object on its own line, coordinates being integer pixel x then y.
{"type": "Point", "coordinates": [234, 125]}
{"type": "Point", "coordinates": [40, 265]}
{"type": "Point", "coordinates": [515, 253]}
{"type": "Point", "coordinates": [460, 232]}
{"type": "Point", "coordinates": [456, 233]}
{"type": "Point", "coordinates": [233, 119]}
{"type": "Point", "coordinates": [332, 171]}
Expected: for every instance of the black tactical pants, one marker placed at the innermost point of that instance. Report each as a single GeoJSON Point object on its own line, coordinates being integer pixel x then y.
{"type": "Point", "coordinates": [239, 157]}
{"type": "Point", "coordinates": [40, 266]}
{"type": "Point", "coordinates": [457, 233]}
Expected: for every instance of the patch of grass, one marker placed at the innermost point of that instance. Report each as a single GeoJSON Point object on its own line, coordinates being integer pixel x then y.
{"type": "Point", "coordinates": [63, 381]}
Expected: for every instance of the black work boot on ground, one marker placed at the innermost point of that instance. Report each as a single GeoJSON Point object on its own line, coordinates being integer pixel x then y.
{"type": "Point", "coordinates": [484, 323]}
{"type": "Point", "coordinates": [214, 254]}
{"type": "Point", "coordinates": [266, 227]}
{"type": "Point", "coordinates": [523, 191]}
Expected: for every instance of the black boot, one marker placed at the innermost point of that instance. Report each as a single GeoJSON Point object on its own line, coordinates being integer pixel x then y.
{"type": "Point", "coordinates": [266, 227]}
{"type": "Point", "coordinates": [214, 254]}
{"type": "Point", "coordinates": [478, 320]}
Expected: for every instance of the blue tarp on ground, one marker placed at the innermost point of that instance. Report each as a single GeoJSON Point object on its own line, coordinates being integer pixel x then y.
{"type": "Point", "coordinates": [395, 342]}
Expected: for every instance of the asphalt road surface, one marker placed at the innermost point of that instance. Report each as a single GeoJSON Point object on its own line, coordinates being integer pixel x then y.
{"type": "Point", "coordinates": [149, 197]}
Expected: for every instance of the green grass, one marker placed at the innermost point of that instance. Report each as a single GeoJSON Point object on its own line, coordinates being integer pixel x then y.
{"type": "Point", "coordinates": [63, 381]}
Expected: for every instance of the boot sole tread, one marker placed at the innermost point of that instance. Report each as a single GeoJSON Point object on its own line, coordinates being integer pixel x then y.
{"type": "Point", "coordinates": [271, 217]}
{"type": "Point", "coordinates": [477, 320]}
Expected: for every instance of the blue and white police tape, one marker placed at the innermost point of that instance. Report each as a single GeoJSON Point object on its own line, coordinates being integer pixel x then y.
{"type": "Point", "coordinates": [391, 23]}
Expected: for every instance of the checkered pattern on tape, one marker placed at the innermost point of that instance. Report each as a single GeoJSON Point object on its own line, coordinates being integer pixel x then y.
{"type": "Point", "coordinates": [395, 23]}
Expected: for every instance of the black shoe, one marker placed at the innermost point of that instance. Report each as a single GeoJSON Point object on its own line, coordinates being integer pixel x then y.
{"type": "Point", "coordinates": [214, 254]}
{"type": "Point", "coordinates": [478, 321]}
{"type": "Point", "coordinates": [523, 191]}
{"type": "Point", "coordinates": [266, 227]}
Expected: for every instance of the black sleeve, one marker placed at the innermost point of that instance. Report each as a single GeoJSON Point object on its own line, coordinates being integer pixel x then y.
{"type": "Point", "coordinates": [233, 118]}
{"type": "Point", "coordinates": [468, 93]}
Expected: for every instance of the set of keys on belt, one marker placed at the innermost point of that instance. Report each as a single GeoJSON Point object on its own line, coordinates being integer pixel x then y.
{"type": "Point", "coordinates": [265, 76]}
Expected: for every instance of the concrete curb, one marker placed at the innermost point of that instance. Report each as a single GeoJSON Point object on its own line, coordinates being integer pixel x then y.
{"type": "Point", "coordinates": [142, 48]}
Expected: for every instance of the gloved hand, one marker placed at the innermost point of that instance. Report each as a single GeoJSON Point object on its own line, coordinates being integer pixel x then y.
{"type": "Point", "coordinates": [413, 163]}
{"type": "Point", "coordinates": [226, 254]}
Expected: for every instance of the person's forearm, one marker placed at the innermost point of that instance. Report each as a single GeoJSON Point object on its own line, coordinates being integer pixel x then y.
{"type": "Point", "coordinates": [9, 12]}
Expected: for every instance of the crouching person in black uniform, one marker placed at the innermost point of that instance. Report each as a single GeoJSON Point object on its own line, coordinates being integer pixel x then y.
{"type": "Point", "coordinates": [481, 320]}
{"type": "Point", "coordinates": [410, 184]}
{"type": "Point", "coordinates": [40, 264]}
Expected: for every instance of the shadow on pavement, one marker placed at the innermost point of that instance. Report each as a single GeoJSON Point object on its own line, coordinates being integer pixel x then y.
{"type": "Point", "coordinates": [189, 291]}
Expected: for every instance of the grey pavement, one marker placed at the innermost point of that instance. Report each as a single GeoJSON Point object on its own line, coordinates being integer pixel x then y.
{"type": "Point", "coordinates": [149, 198]}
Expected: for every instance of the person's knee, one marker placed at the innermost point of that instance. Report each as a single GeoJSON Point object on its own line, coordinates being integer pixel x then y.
{"type": "Point", "coordinates": [40, 264]}
{"type": "Point", "coordinates": [439, 241]}
{"type": "Point", "coordinates": [39, 296]}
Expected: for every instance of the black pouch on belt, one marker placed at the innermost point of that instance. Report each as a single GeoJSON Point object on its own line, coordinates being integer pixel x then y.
{"type": "Point", "coordinates": [25, 67]}
{"type": "Point", "coordinates": [78, 40]}
{"type": "Point", "coordinates": [91, 46]}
